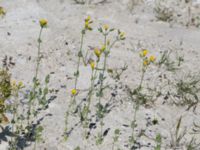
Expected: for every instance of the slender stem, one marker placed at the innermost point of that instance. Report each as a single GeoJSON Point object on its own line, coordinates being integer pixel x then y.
{"type": "Point", "coordinates": [80, 55]}
{"type": "Point", "coordinates": [35, 145]}
{"type": "Point", "coordinates": [104, 68]}
{"type": "Point", "coordinates": [15, 115]}
{"type": "Point", "coordinates": [113, 43]}
{"type": "Point", "coordinates": [77, 73]}
{"type": "Point", "coordinates": [73, 98]}
{"type": "Point", "coordinates": [38, 54]}
{"type": "Point", "coordinates": [142, 78]}
{"type": "Point", "coordinates": [36, 75]}
{"type": "Point", "coordinates": [93, 77]}
{"type": "Point", "coordinates": [134, 121]}
{"type": "Point", "coordinates": [113, 145]}
{"type": "Point", "coordinates": [102, 79]}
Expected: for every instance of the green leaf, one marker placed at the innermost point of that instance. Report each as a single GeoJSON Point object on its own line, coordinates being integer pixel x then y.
{"type": "Point", "coordinates": [40, 129]}
{"type": "Point", "coordinates": [158, 138]}
{"type": "Point", "coordinates": [117, 131]}
{"type": "Point", "coordinates": [47, 79]}
{"type": "Point", "coordinates": [100, 30]}
{"type": "Point", "coordinates": [45, 91]}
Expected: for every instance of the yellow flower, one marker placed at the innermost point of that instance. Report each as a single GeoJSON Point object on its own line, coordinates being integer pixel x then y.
{"type": "Point", "coordinates": [20, 84]}
{"type": "Point", "coordinates": [145, 62]}
{"type": "Point", "coordinates": [73, 92]}
{"type": "Point", "coordinates": [43, 23]}
{"type": "Point", "coordinates": [103, 48]}
{"type": "Point", "coordinates": [121, 35]}
{"type": "Point", "coordinates": [152, 58]}
{"type": "Point", "coordinates": [88, 19]}
{"type": "Point", "coordinates": [144, 53]}
{"type": "Point", "coordinates": [87, 26]}
{"type": "Point", "coordinates": [105, 27]}
{"type": "Point", "coordinates": [92, 65]}
{"type": "Point", "coordinates": [97, 52]}
{"type": "Point", "coordinates": [2, 11]}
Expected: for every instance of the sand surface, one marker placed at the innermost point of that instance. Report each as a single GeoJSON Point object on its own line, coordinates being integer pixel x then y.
{"type": "Point", "coordinates": [19, 31]}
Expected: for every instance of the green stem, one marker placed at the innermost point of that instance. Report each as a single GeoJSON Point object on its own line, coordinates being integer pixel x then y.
{"type": "Point", "coordinates": [73, 98]}
{"type": "Point", "coordinates": [104, 68]}
{"type": "Point", "coordinates": [142, 78]}
{"type": "Point", "coordinates": [80, 55]}
{"type": "Point", "coordinates": [113, 43]}
{"type": "Point", "coordinates": [36, 75]}
{"type": "Point", "coordinates": [102, 80]}
{"type": "Point", "coordinates": [93, 77]}
{"type": "Point", "coordinates": [113, 145]}
{"type": "Point", "coordinates": [15, 115]}
{"type": "Point", "coordinates": [134, 120]}
{"type": "Point", "coordinates": [38, 54]}
{"type": "Point", "coordinates": [35, 145]}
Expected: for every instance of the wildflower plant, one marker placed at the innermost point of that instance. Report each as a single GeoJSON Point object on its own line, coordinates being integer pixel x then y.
{"type": "Point", "coordinates": [74, 92]}
{"type": "Point", "coordinates": [101, 110]}
{"type": "Point", "coordinates": [25, 123]}
{"type": "Point", "coordinates": [146, 62]}
{"type": "Point", "coordinates": [136, 96]}
{"type": "Point", "coordinates": [5, 93]}
{"type": "Point", "coordinates": [36, 83]}
{"type": "Point", "coordinates": [87, 27]}
{"type": "Point", "coordinates": [98, 67]}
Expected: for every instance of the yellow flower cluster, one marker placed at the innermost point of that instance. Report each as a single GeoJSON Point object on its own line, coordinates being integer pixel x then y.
{"type": "Point", "coordinates": [147, 60]}
{"type": "Point", "coordinates": [121, 35]}
{"type": "Point", "coordinates": [88, 22]}
{"type": "Point", "coordinates": [43, 23]}
{"type": "Point", "coordinates": [105, 27]}
{"type": "Point", "coordinates": [92, 65]}
{"type": "Point", "coordinates": [2, 11]}
{"type": "Point", "coordinates": [97, 52]}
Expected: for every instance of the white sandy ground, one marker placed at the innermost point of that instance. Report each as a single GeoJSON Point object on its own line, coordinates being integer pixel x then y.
{"type": "Point", "coordinates": [65, 20]}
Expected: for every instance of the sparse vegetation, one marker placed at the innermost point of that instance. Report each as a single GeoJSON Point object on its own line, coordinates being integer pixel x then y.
{"type": "Point", "coordinates": [108, 96]}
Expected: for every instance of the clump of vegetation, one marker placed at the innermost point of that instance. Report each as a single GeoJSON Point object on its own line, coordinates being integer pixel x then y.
{"type": "Point", "coordinates": [21, 107]}
{"type": "Point", "coordinates": [187, 91]}
{"type": "Point", "coordinates": [182, 12]}
{"type": "Point", "coordinates": [137, 96]}
{"type": "Point", "coordinates": [5, 93]}
{"type": "Point", "coordinates": [163, 12]}
{"type": "Point", "coordinates": [98, 66]}
{"type": "Point", "coordinates": [178, 135]}
{"type": "Point", "coordinates": [24, 107]}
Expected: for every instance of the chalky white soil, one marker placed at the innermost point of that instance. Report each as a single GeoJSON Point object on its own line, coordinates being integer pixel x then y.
{"type": "Point", "coordinates": [19, 31]}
